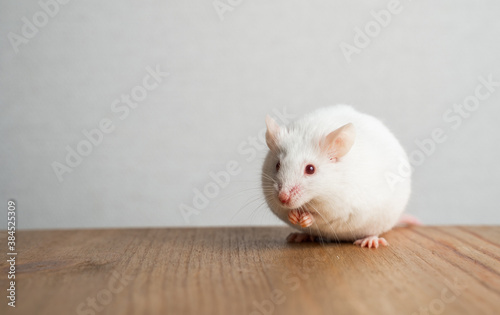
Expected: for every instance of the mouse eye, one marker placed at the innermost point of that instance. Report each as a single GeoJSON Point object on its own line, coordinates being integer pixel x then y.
{"type": "Point", "coordinates": [309, 169]}
{"type": "Point", "coordinates": [278, 166]}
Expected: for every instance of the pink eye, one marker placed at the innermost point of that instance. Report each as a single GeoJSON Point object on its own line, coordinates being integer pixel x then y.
{"type": "Point", "coordinates": [278, 166]}
{"type": "Point", "coordinates": [309, 169]}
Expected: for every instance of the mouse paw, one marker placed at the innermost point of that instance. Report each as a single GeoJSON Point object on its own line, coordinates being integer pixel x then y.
{"type": "Point", "coordinates": [303, 218]}
{"type": "Point", "coordinates": [299, 238]}
{"type": "Point", "coordinates": [371, 242]}
{"type": "Point", "coordinates": [306, 220]}
{"type": "Point", "coordinates": [294, 216]}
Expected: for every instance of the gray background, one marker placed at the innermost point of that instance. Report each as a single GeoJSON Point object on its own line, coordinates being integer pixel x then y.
{"type": "Point", "coordinates": [225, 76]}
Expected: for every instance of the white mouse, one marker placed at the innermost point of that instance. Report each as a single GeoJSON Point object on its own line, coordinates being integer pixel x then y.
{"type": "Point", "coordinates": [326, 174]}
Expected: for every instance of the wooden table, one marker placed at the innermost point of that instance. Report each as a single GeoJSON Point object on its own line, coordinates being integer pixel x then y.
{"type": "Point", "coordinates": [251, 270]}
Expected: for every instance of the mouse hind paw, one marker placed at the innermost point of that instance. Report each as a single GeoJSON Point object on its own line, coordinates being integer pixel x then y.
{"type": "Point", "coordinates": [299, 238]}
{"type": "Point", "coordinates": [371, 242]}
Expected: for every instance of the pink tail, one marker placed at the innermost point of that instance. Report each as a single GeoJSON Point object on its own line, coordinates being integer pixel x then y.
{"type": "Point", "coordinates": [407, 219]}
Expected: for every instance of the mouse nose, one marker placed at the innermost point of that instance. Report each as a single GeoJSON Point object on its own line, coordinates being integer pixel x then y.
{"type": "Point", "coordinates": [284, 197]}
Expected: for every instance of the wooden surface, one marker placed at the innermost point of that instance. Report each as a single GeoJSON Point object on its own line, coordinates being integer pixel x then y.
{"type": "Point", "coordinates": [425, 270]}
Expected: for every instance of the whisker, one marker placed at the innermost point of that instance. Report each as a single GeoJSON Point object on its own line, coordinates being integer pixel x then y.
{"type": "Point", "coordinates": [243, 208]}
{"type": "Point", "coordinates": [324, 220]}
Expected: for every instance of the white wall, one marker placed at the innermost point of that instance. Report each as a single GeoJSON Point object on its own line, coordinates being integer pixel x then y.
{"type": "Point", "coordinates": [224, 77]}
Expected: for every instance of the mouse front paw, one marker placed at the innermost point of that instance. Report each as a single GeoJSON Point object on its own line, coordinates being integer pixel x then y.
{"type": "Point", "coordinates": [294, 216]}
{"type": "Point", "coordinates": [371, 242]}
{"type": "Point", "coordinates": [306, 220]}
{"type": "Point", "coordinates": [303, 218]}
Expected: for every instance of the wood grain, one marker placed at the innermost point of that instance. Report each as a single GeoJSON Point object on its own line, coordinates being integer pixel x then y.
{"type": "Point", "coordinates": [251, 270]}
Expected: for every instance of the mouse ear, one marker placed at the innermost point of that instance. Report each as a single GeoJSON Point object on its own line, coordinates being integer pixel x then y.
{"type": "Point", "coordinates": [272, 133]}
{"type": "Point", "coordinates": [339, 142]}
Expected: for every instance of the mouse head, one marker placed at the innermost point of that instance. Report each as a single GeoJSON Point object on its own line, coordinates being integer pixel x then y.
{"type": "Point", "coordinates": [300, 163]}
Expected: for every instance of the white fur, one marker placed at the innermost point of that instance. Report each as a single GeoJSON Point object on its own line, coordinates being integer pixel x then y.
{"type": "Point", "coordinates": [350, 198]}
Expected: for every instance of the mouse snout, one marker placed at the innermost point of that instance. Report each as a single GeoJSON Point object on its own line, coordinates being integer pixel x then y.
{"type": "Point", "coordinates": [285, 195]}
